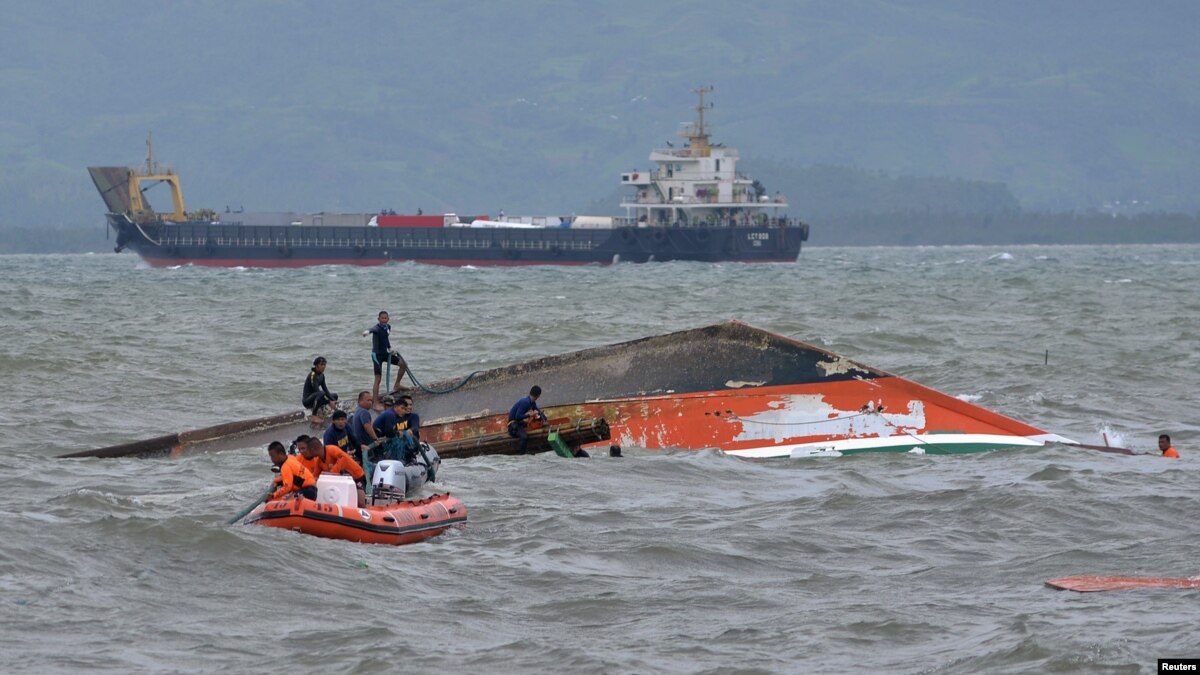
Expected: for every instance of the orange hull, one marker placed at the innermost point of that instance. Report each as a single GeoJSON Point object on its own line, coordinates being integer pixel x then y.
{"type": "Point", "coordinates": [732, 387]}
{"type": "Point", "coordinates": [850, 416]}
{"type": "Point", "coordinates": [405, 522]}
{"type": "Point", "coordinates": [1097, 583]}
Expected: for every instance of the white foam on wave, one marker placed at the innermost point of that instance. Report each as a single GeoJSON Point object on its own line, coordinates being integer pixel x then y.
{"type": "Point", "coordinates": [1000, 256]}
{"type": "Point", "coordinates": [969, 398]}
{"type": "Point", "coordinates": [1110, 436]}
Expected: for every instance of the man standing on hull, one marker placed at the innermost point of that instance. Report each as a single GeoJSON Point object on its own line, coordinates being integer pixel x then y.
{"type": "Point", "coordinates": [381, 353]}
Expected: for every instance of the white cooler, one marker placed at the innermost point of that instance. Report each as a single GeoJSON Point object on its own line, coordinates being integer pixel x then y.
{"type": "Point", "coordinates": [337, 489]}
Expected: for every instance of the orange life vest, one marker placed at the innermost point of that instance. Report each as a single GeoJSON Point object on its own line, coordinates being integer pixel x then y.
{"type": "Point", "coordinates": [1171, 452]}
{"type": "Point", "coordinates": [336, 461]}
{"type": "Point", "coordinates": [293, 476]}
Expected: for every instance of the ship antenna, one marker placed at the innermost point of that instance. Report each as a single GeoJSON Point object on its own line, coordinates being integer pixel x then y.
{"type": "Point", "coordinates": [151, 165]}
{"type": "Point", "coordinates": [700, 108]}
{"type": "Point", "coordinates": [697, 133]}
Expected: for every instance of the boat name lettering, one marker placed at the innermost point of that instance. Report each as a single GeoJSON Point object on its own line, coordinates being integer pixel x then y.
{"type": "Point", "coordinates": [758, 236]}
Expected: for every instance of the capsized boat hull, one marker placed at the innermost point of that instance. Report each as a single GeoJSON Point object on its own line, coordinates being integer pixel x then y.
{"type": "Point", "coordinates": [729, 386]}
{"type": "Point", "coordinates": [405, 522]}
{"type": "Point", "coordinates": [736, 388]}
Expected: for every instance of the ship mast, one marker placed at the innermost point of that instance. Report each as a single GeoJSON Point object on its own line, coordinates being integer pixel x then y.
{"type": "Point", "coordinates": [151, 165]}
{"type": "Point", "coordinates": [697, 133]}
{"type": "Point", "coordinates": [138, 206]}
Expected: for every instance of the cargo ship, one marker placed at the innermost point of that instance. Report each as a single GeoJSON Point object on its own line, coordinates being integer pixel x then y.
{"type": "Point", "coordinates": [693, 205]}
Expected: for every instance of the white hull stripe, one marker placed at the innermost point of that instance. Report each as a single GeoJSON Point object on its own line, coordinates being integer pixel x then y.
{"type": "Point", "coordinates": [929, 443]}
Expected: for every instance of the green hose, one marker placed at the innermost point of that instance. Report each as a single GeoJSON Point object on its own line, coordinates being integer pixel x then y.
{"type": "Point", "coordinates": [261, 498]}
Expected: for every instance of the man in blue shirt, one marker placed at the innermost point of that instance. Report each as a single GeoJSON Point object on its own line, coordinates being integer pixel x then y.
{"type": "Point", "coordinates": [397, 423]}
{"type": "Point", "coordinates": [521, 414]}
{"type": "Point", "coordinates": [360, 424]}
{"type": "Point", "coordinates": [381, 353]}
{"type": "Point", "coordinates": [338, 433]}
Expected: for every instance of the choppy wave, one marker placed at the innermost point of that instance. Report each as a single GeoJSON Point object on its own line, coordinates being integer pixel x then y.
{"type": "Point", "coordinates": [671, 562]}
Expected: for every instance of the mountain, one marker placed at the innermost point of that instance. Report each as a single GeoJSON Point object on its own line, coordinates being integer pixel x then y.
{"type": "Point", "coordinates": [535, 107]}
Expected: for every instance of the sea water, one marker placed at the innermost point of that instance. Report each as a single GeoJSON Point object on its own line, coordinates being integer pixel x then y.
{"type": "Point", "coordinates": [676, 562]}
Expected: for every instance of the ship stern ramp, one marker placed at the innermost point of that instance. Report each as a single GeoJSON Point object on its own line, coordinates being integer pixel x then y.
{"type": "Point", "coordinates": [113, 184]}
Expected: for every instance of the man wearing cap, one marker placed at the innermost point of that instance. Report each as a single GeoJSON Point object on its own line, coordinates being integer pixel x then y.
{"type": "Point", "coordinates": [316, 394]}
{"type": "Point", "coordinates": [338, 433]}
{"type": "Point", "coordinates": [398, 422]}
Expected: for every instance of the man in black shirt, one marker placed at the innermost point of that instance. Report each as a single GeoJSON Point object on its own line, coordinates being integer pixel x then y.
{"type": "Point", "coordinates": [381, 353]}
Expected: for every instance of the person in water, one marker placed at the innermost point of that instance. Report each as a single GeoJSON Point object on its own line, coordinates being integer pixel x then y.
{"type": "Point", "coordinates": [381, 353]}
{"type": "Point", "coordinates": [524, 411]}
{"type": "Point", "coordinates": [316, 393]}
{"type": "Point", "coordinates": [1164, 446]}
{"type": "Point", "coordinates": [293, 475]}
{"type": "Point", "coordinates": [338, 432]}
{"type": "Point", "coordinates": [319, 458]}
{"type": "Point", "coordinates": [360, 424]}
{"type": "Point", "coordinates": [398, 422]}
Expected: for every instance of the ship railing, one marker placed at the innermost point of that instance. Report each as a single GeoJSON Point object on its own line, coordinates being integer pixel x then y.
{"type": "Point", "coordinates": [395, 242]}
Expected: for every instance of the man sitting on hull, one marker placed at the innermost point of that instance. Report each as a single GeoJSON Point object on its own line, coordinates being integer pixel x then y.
{"type": "Point", "coordinates": [521, 414]}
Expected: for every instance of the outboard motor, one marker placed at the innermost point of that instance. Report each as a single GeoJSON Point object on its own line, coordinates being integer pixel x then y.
{"type": "Point", "coordinates": [393, 479]}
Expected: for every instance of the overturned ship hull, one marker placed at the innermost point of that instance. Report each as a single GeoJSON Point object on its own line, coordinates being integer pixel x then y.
{"type": "Point", "coordinates": [731, 387]}
{"type": "Point", "coordinates": [739, 389]}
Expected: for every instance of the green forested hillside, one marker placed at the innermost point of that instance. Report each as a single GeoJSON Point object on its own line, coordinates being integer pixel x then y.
{"type": "Point", "coordinates": [536, 106]}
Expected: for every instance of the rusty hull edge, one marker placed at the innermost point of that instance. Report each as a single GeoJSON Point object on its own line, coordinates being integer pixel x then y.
{"type": "Point", "coordinates": [173, 444]}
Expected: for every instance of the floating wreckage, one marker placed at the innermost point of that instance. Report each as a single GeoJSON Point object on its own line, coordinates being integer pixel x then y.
{"type": "Point", "coordinates": [730, 386]}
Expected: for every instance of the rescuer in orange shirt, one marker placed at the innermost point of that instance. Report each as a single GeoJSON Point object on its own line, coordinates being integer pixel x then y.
{"type": "Point", "coordinates": [1164, 446]}
{"type": "Point", "coordinates": [319, 458]}
{"type": "Point", "coordinates": [293, 475]}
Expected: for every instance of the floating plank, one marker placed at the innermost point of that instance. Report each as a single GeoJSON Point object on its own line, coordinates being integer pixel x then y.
{"type": "Point", "coordinates": [1090, 583]}
{"type": "Point", "coordinates": [1105, 448]}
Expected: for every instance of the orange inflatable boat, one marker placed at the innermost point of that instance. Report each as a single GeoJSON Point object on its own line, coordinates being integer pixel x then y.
{"type": "Point", "coordinates": [403, 522]}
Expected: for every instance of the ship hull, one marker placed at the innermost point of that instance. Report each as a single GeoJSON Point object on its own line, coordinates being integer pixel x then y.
{"type": "Point", "coordinates": [164, 244]}
{"type": "Point", "coordinates": [738, 389]}
{"type": "Point", "coordinates": [730, 387]}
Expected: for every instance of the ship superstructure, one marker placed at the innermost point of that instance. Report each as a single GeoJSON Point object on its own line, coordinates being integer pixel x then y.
{"type": "Point", "coordinates": [698, 184]}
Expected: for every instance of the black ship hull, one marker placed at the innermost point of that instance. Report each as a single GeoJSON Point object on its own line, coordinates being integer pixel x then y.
{"type": "Point", "coordinates": [167, 244]}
